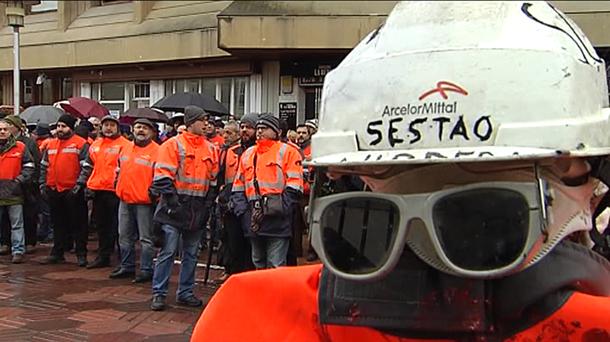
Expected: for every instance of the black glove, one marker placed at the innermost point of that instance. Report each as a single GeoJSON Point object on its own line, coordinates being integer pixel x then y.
{"type": "Point", "coordinates": [89, 194]}
{"type": "Point", "coordinates": [153, 196]}
{"type": "Point", "coordinates": [158, 235]}
{"type": "Point", "coordinates": [44, 192]}
{"type": "Point", "coordinates": [76, 190]}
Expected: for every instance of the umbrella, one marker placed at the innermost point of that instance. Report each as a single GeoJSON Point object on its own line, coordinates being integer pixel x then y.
{"type": "Point", "coordinates": [84, 107]}
{"type": "Point", "coordinates": [177, 102]}
{"type": "Point", "coordinates": [41, 114]}
{"type": "Point", "coordinates": [146, 113]}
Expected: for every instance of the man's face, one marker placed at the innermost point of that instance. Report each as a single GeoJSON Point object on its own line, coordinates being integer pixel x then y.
{"type": "Point", "coordinates": [5, 132]}
{"type": "Point", "coordinates": [110, 128]}
{"type": "Point", "coordinates": [142, 132]}
{"type": "Point", "coordinates": [302, 134]}
{"type": "Point", "coordinates": [63, 130]}
{"type": "Point", "coordinates": [198, 127]}
{"type": "Point", "coordinates": [264, 132]}
{"type": "Point", "coordinates": [96, 126]}
{"type": "Point", "coordinates": [246, 132]}
{"type": "Point", "coordinates": [230, 135]}
{"type": "Point", "coordinates": [210, 129]}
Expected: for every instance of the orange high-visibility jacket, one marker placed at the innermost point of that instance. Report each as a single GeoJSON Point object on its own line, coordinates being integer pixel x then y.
{"type": "Point", "coordinates": [307, 156]}
{"type": "Point", "coordinates": [136, 170]}
{"type": "Point", "coordinates": [99, 170]}
{"type": "Point", "coordinates": [61, 162]}
{"type": "Point", "coordinates": [13, 161]}
{"type": "Point", "coordinates": [217, 140]}
{"type": "Point", "coordinates": [231, 164]}
{"type": "Point", "coordinates": [278, 167]}
{"type": "Point", "coordinates": [282, 305]}
{"type": "Point", "coordinates": [190, 161]}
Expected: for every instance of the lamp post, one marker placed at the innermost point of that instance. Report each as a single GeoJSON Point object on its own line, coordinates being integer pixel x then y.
{"type": "Point", "coordinates": [15, 13]}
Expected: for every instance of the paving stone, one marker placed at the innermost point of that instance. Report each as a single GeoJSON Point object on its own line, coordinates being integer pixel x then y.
{"type": "Point", "coordinates": [64, 303]}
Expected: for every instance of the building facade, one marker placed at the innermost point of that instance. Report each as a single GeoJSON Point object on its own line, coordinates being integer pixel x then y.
{"type": "Point", "coordinates": [253, 56]}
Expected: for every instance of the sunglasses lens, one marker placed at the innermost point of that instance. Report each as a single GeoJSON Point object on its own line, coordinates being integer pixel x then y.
{"type": "Point", "coordinates": [359, 233]}
{"type": "Point", "coordinates": [483, 229]}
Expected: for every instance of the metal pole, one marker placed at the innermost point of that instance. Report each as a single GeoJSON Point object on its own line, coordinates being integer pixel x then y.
{"type": "Point", "coordinates": [16, 81]}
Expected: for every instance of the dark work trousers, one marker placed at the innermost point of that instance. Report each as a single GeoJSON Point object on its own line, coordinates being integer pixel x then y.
{"type": "Point", "coordinates": [236, 247]}
{"type": "Point", "coordinates": [106, 210]}
{"type": "Point", "coordinates": [68, 214]}
{"type": "Point", "coordinates": [295, 249]}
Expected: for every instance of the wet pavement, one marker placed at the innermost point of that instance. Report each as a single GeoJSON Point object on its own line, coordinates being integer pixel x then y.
{"type": "Point", "coordinates": [68, 303]}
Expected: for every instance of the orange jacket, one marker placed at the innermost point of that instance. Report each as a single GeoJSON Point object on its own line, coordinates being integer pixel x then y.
{"type": "Point", "coordinates": [307, 156]}
{"type": "Point", "coordinates": [278, 167]}
{"type": "Point", "coordinates": [99, 170]}
{"type": "Point", "coordinates": [190, 162]}
{"type": "Point", "coordinates": [285, 308]}
{"type": "Point", "coordinates": [231, 162]}
{"type": "Point", "coordinates": [136, 170]}
{"type": "Point", "coordinates": [61, 162]}
{"type": "Point", "coordinates": [217, 140]}
{"type": "Point", "coordinates": [11, 161]}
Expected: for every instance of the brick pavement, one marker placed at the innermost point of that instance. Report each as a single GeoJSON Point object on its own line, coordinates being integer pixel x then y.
{"type": "Point", "coordinates": [67, 303]}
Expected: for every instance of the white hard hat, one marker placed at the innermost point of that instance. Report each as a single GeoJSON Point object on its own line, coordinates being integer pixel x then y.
{"type": "Point", "coordinates": [465, 81]}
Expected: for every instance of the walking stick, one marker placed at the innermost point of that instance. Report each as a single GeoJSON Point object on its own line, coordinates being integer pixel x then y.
{"type": "Point", "coordinates": [213, 227]}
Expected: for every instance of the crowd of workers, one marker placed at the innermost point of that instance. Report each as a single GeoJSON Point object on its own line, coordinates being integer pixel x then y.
{"type": "Point", "coordinates": [239, 187]}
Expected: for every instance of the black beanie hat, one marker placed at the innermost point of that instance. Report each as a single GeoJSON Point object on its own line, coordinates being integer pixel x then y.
{"type": "Point", "coordinates": [270, 121]}
{"type": "Point", "coordinates": [67, 120]}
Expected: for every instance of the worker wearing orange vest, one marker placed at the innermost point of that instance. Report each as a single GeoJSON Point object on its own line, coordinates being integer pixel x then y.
{"type": "Point", "coordinates": [60, 167]}
{"type": "Point", "coordinates": [135, 175]}
{"type": "Point", "coordinates": [214, 124]}
{"type": "Point", "coordinates": [98, 175]}
{"type": "Point", "coordinates": [16, 169]}
{"type": "Point", "coordinates": [268, 184]}
{"type": "Point", "coordinates": [469, 234]}
{"type": "Point", "coordinates": [304, 133]}
{"type": "Point", "coordinates": [236, 252]}
{"type": "Point", "coordinates": [185, 180]}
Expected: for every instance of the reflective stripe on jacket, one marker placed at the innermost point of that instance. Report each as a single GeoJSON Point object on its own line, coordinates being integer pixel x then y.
{"type": "Point", "coordinates": [288, 297]}
{"type": "Point", "coordinates": [190, 162]}
{"type": "Point", "coordinates": [136, 170]}
{"type": "Point", "coordinates": [100, 166]}
{"type": "Point", "coordinates": [61, 163]}
{"type": "Point", "coordinates": [278, 167]}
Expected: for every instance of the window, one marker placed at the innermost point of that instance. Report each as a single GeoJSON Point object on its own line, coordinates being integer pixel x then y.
{"type": "Point", "coordinates": [44, 6]}
{"type": "Point", "coordinates": [141, 90]}
{"type": "Point", "coordinates": [230, 91]}
{"type": "Point", "coordinates": [111, 95]}
{"type": "Point", "coordinates": [66, 87]}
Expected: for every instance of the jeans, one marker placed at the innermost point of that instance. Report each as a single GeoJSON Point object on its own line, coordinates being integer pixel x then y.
{"type": "Point", "coordinates": [165, 260]}
{"type": "Point", "coordinates": [269, 252]}
{"type": "Point", "coordinates": [136, 220]}
{"type": "Point", "coordinates": [15, 215]}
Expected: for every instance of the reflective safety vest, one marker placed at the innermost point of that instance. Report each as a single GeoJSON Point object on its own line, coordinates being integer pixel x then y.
{"type": "Point", "coordinates": [231, 163]}
{"type": "Point", "coordinates": [11, 161]}
{"type": "Point", "coordinates": [282, 305]}
{"type": "Point", "coordinates": [190, 161]}
{"type": "Point", "coordinates": [104, 155]}
{"type": "Point", "coordinates": [278, 167]}
{"type": "Point", "coordinates": [63, 165]}
{"type": "Point", "coordinates": [136, 170]}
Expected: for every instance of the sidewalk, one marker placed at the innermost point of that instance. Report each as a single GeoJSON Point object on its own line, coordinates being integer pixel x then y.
{"type": "Point", "coordinates": [68, 303]}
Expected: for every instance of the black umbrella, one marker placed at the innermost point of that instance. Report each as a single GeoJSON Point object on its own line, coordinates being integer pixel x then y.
{"type": "Point", "coordinates": [177, 102]}
{"type": "Point", "coordinates": [41, 114]}
{"type": "Point", "coordinates": [146, 113]}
